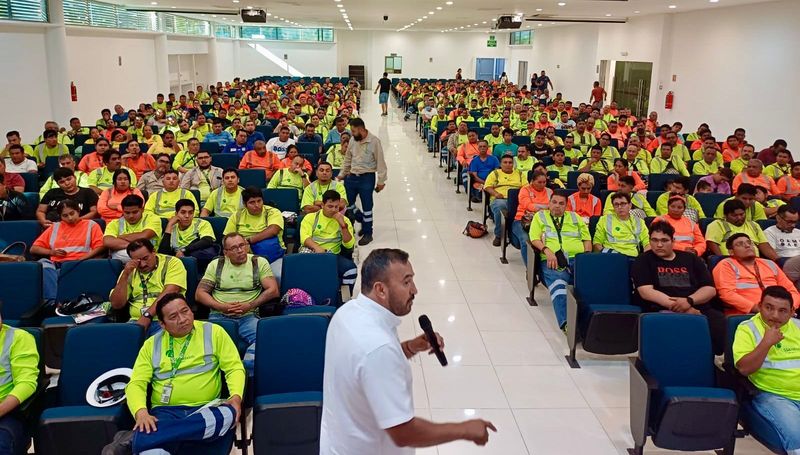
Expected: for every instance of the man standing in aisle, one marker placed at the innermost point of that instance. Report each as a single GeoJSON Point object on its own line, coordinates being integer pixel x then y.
{"type": "Point", "coordinates": [363, 161]}
{"type": "Point", "coordinates": [384, 85]}
{"type": "Point", "coordinates": [368, 406]}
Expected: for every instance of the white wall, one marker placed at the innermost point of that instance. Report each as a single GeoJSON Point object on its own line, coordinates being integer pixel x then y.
{"type": "Point", "coordinates": [311, 59]}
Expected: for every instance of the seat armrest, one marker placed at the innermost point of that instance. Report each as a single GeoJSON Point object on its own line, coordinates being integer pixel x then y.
{"type": "Point", "coordinates": [641, 386]}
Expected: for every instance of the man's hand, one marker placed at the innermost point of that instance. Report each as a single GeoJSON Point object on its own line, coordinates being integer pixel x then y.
{"type": "Point", "coordinates": [172, 220]}
{"type": "Point", "coordinates": [772, 336]}
{"type": "Point", "coordinates": [236, 402]}
{"type": "Point", "coordinates": [477, 431]}
{"type": "Point", "coordinates": [47, 223]}
{"type": "Point", "coordinates": [340, 219]}
{"type": "Point", "coordinates": [420, 344]}
{"type": "Point", "coordinates": [145, 422]}
{"type": "Point", "coordinates": [179, 254]}
{"type": "Point", "coordinates": [58, 252]}
{"type": "Point", "coordinates": [379, 187]}
{"type": "Point", "coordinates": [679, 305]}
{"type": "Point", "coordinates": [237, 308]}
{"type": "Point", "coordinates": [144, 321]}
{"type": "Point", "coordinates": [552, 262]}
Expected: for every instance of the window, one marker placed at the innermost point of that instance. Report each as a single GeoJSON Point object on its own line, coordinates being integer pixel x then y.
{"type": "Point", "coordinates": [393, 64]}
{"type": "Point", "coordinates": [98, 14]}
{"type": "Point", "coordinates": [24, 10]}
{"type": "Point", "coordinates": [521, 38]}
{"type": "Point", "coordinates": [322, 35]}
{"type": "Point", "coordinates": [223, 31]}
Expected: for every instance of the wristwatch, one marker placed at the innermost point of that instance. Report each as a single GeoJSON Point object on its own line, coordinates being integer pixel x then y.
{"type": "Point", "coordinates": [147, 314]}
{"type": "Point", "coordinates": [691, 301]}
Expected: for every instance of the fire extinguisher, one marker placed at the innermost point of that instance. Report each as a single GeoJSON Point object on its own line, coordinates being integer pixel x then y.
{"type": "Point", "coordinates": [73, 91]}
{"type": "Point", "coordinates": [670, 100]}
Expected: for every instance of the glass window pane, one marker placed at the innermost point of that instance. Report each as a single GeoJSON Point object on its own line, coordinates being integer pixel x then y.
{"type": "Point", "coordinates": [24, 10]}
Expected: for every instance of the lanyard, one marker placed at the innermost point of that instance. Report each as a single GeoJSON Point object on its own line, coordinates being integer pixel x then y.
{"type": "Point", "coordinates": [145, 284]}
{"type": "Point", "coordinates": [176, 362]}
{"type": "Point", "coordinates": [558, 225]}
{"type": "Point", "coordinates": [756, 273]}
{"type": "Point", "coordinates": [205, 176]}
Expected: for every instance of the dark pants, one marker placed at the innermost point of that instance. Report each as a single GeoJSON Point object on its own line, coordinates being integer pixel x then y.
{"type": "Point", "coordinates": [178, 428]}
{"type": "Point", "coordinates": [362, 186]}
{"type": "Point", "coordinates": [13, 440]}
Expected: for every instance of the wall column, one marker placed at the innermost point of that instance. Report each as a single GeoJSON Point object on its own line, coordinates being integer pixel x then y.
{"type": "Point", "coordinates": [213, 64]}
{"type": "Point", "coordinates": [58, 79]}
{"type": "Point", "coordinates": [236, 58]}
{"type": "Point", "coordinates": [162, 63]}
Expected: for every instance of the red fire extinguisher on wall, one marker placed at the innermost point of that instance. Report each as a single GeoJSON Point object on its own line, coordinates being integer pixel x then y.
{"type": "Point", "coordinates": [73, 91]}
{"type": "Point", "coordinates": [670, 100]}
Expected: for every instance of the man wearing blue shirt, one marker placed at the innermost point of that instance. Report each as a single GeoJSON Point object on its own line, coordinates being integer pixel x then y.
{"type": "Point", "coordinates": [252, 134]}
{"type": "Point", "coordinates": [335, 135]}
{"type": "Point", "coordinates": [218, 134]}
{"type": "Point", "coordinates": [480, 167]}
{"type": "Point", "coordinates": [239, 145]}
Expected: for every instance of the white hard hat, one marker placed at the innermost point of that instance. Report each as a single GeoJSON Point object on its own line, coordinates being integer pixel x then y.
{"type": "Point", "coordinates": [109, 388]}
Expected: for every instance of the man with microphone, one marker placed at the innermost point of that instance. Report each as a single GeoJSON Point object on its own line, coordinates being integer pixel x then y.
{"type": "Point", "coordinates": [368, 405]}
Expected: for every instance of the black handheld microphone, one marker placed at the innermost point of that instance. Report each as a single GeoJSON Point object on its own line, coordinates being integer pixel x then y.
{"type": "Point", "coordinates": [426, 326]}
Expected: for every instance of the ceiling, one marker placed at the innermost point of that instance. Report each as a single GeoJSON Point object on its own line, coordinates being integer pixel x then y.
{"type": "Point", "coordinates": [368, 14]}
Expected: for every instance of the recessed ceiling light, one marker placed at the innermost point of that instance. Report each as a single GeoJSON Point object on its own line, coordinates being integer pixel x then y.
{"type": "Point", "coordinates": [713, 1]}
{"type": "Point", "coordinates": [154, 3]}
{"type": "Point", "coordinates": [562, 4]}
{"type": "Point", "coordinates": [538, 25]}
{"type": "Point", "coordinates": [483, 22]}
{"type": "Point", "coordinates": [235, 1]}
{"type": "Point", "coordinates": [448, 3]}
{"type": "Point", "coordinates": [468, 26]}
{"type": "Point", "coordinates": [424, 17]}
{"type": "Point", "coordinates": [213, 15]}
{"type": "Point", "coordinates": [527, 26]}
{"type": "Point", "coordinates": [430, 12]}
{"type": "Point", "coordinates": [636, 12]}
{"type": "Point", "coordinates": [608, 15]}
{"type": "Point", "coordinates": [269, 14]}
{"type": "Point", "coordinates": [419, 20]}
{"type": "Point", "coordinates": [439, 8]}
{"type": "Point", "coordinates": [672, 6]}
{"type": "Point", "coordinates": [538, 9]}
{"type": "Point", "coordinates": [173, 7]}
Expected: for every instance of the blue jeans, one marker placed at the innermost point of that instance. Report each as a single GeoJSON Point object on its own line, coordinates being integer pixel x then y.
{"type": "Point", "coordinates": [556, 282]}
{"type": "Point", "coordinates": [49, 279]}
{"type": "Point", "coordinates": [783, 414]}
{"type": "Point", "coordinates": [497, 207]}
{"type": "Point", "coordinates": [247, 327]}
{"type": "Point", "coordinates": [383, 98]}
{"type": "Point", "coordinates": [348, 271]}
{"type": "Point", "coordinates": [179, 429]}
{"type": "Point", "coordinates": [361, 186]}
{"type": "Point", "coordinates": [13, 440]}
{"type": "Point", "coordinates": [519, 238]}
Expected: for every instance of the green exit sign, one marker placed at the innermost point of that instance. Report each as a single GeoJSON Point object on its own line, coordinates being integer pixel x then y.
{"type": "Point", "coordinates": [492, 42]}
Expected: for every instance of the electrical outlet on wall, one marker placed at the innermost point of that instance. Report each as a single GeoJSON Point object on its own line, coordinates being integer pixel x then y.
{"type": "Point", "coordinates": [119, 59]}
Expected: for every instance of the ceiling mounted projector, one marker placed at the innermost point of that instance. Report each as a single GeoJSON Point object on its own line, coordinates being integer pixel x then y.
{"type": "Point", "coordinates": [506, 22]}
{"type": "Point", "coordinates": [254, 16]}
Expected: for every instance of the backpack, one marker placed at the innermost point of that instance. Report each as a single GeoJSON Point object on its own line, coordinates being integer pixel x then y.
{"type": "Point", "coordinates": [296, 298]}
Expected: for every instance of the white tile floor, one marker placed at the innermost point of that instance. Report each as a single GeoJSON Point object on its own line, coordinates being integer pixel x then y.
{"type": "Point", "coordinates": [507, 358]}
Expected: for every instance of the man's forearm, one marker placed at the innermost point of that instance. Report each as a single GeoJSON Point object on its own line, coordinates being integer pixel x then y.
{"type": "Point", "coordinates": [8, 404]}
{"type": "Point", "coordinates": [424, 433]}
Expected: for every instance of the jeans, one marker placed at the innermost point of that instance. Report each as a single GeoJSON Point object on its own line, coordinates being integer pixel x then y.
{"type": "Point", "coordinates": [519, 238]}
{"type": "Point", "coordinates": [383, 98]}
{"type": "Point", "coordinates": [431, 140]}
{"type": "Point", "coordinates": [277, 269]}
{"type": "Point", "coordinates": [247, 327]}
{"type": "Point", "coordinates": [49, 279]}
{"type": "Point", "coordinates": [181, 427]}
{"type": "Point", "coordinates": [783, 414]}
{"type": "Point", "coordinates": [13, 440]}
{"type": "Point", "coordinates": [556, 282]}
{"type": "Point", "coordinates": [348, 271]}
{"type": "Point", "coordinates": [498, 207]}
{"type": "Point", "coordinates": [361, 186]}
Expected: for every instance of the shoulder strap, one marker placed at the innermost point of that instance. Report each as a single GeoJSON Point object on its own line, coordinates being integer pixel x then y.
{"type": "Point", "coordinates": [256, 281]}
{"type": "Point", "coordinates": [164, 269]}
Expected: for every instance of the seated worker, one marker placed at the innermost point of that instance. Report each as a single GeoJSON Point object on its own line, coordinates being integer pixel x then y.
{"type": "Point", "coordinates": [753, 175]}
{"type": "Point", "coordinates": [162, 202]}
{"type": "Point", "coordinates": [291, 152]}
{"type": "Point", "coordinates": [559, 166]}
{"type": "Point", "coordinates": [151, 181]}
{"type": "Point", "coordinates": [575, 155]}
{"type": "Point", "coordinates": [234, 286]}
{"type": "Point", "coordinates": [18, 383]}
{"type": "Point", "coordinates": [133, 225]}
{"type": "Point", "coordinates": [640, 207]}
{"type": "Point", "coordinates": [103, 178]}
{"type": "Point", "coordinates": [708, 163]}
{"type": "Point", "coordinates": [239, 144]}
{"type": "Point", "coordinates": [71, 239]}
{"type": "Point", "coordinates": [747, 194]}
{"type": "Point", "coordinates": [619, 231]}
{"type": "Point", "coordinates": [719, 182]}
{"type": "Point", "coordinates": [225, 200]}
{"type": "Point", "coordinates": [13, 205]}
{"type": "Point", "coordinates": [47, 211]}
{"type": "Point", "coordinates": [292, 177]}
{"type": "Point", "coordinates": [740, 164]}
{"type": "Point", "coordinates": [766, 349]}
{"type": "Point", "coordinates": [186, 235]}
{"type": "Point", "coordinates": [735, 221]}
{"type": "Point", "coordinates": [506, 146]}
{"type": "Point", "coordinates": [178, 411]}
{"type": "Point", "coordinates": [497, 184]}
{"type": "Point", "coordinates": [329, 231]}
{"type": "Point", "coordinates": [94, 160]}
{"type": "Point", "coordinates": [770, 205]}
{"type": "Point", "coordinates": [146, 278]}
{"type": "Point", "coordinates": [261, 158]}
{"type": "Point", "coordinates": [204, 177]}
{"type": "Point", "coordinates": [742, 277]}
{"type": "Point", "coordinates": [681, 187]}
{"type": "Point", "coordinates": [64, 161]}
{"type": "Point", "coordinates": [337, 152]}
{"type": "Point", "coordinates": [583, 202]}
{"type": "Point", "coordinates": [108, 204]}
{"type": "Point", "coordinates": [595, 162]}
{"type": "Point", "coordinates": [279, 144]}
{"type": "Point", "coordinates": [667, 279]}
{"type": "Point", "coordinates": [678, 149]}
{"type": "Point", "coordinates": [217, 134]}
{"type": "Point", "coordinates": [788, 186]}
{"type": "Point", "coordinates": [784, 237]}
{"type": "Point", "coordinates": [49, 147]}
{"type": "Point", "coordinates": [137, 161]}
{"type": "Point", "coordinates": [479, 168]}
{"type": "Point", "coordinates": [187, 159]}
{"type": "Point", "coordinates": [312, 194]}
{"type": "Point", "coordinates": [622, 169]}
{"type": "Point", "coordinates": [18, 163]}
{"type": "Point", "coordinates": [532, 198]}
{"type": "Point", "coordinates": [687, 236]}
{"type": "Point", "coordinates": [610, 153]}
{"type": "Point", "coordinates": [524, 161]}
{"type": "Point", "coordinates": [262, 227]}
{"type": "Point", "coordinates": [538, 148]}
{"type": "Point", "coordinates": [665, 162]}
{"type": "Point", "coordinates": [494, 137]}
{"type": "Point", "coordinates": [560, 236]}
{"type": "Point", "coordinates": [781, 167]}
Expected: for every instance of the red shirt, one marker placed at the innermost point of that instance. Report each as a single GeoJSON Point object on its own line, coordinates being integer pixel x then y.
{"type": "Point", "coordinates": [14, 181]}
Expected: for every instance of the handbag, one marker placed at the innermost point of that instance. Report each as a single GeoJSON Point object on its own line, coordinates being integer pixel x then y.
{"type": "Point", "coordinates": [7, 256]}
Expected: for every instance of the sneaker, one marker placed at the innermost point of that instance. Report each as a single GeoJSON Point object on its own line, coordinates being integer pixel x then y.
{"type": "Point", "coordinates": [496, 241]}
{"type": "Point", "coordinates": [476, 200]}
{"type": "Point", "coordinates": [564, 328]}
{"type": "Point", "coordinates": [122, 444]}
{"type": "Point", "coordinates": [365, 240]}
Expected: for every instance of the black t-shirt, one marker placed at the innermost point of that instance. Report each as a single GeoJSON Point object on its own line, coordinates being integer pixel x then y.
{"type": "Point", "coordinates": [85, 198]}
{"type": "Point", "coordinates": [540, 152]}
{"type": "Point", "coordinates": [385, 85]}
{"type": "Point", "coordinates": [680, 277]}
{"type": "Point", "coordinates": [542, 82]}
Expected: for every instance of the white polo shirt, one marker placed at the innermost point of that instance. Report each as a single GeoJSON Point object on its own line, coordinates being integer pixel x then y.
{"type": "Point", "coordinates": [367, 385]}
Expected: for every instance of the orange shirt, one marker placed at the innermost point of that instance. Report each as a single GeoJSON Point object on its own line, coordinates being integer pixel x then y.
{"type": "Point", "coordinates": [761, 180]}
{"type": "Point", "coordinates": [531, 200]}
{"type": "Point", "coordinates": [77, 239]}
{"type": "Point", "coordinates": [654, 144]}
{"type": "Point", "coordinates": [585, 208]}
{"type": "Point", "coordinates": [738, 286]}
{"type": "Point", "coordinates": [613, 182]}
{"type": "Point", "coordinates": [687, 234]}
{"type": "Point", "coordinates": [729, 154]}
{"type": "Point", "coordinates": [618, 135]}
{"type": "Point", "coordinates": [465, 154]}
{"type": "Point", "coordinates": [270, 162]}
{"type": "Point", "coordinates": [108, 204]}
{"type": "Point", "coordinates": [90, 162]}
{"type": "Point", "coordinates": [287, 163]}
{"type": "Point", "coordinates": [145, 162]}
{"type": "Point", "coordinates": [787, 187]}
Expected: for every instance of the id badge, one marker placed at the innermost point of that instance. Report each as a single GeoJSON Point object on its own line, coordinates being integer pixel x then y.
{"type": "Point", "coordinates": [166, 393]}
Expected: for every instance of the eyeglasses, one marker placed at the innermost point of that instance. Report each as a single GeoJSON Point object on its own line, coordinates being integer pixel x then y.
{"type": "Point", "coordinates": [239, 247]}
{"type": "Point", "coordinates": [621, 204]}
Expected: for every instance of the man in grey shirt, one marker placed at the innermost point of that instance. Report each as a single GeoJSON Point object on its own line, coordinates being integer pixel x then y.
{"type": "Point", "coordinates": [363, 171]}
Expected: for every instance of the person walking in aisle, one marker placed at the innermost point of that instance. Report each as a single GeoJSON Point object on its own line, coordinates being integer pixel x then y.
{"type": "Point", "coordinates": [363, 171]}
{"type": "Point", "coordinates": [384, 85]}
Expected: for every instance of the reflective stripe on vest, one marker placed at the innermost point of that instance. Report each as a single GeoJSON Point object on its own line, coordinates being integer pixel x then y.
{"type": "Point", "coordinates": [218, 276]}
{"type": "Point", "coordinates": [208, 356]}
{"type": "Point", "coordinates": [218, 206]}
{"type": "Point", "coordinates": [762, 180]}
{"type": "Point", "coordinates": [610, 226]}
{"type": "Point", "coordinates": [315, 186]}
{"type": "Point", "coordinates": [158, 209]}
{"type": "Point", "coordinates": [727, 229]}
{"type": "Point", "coordinates": [320, 240]}
{"type": "Point", "coordinates": [683, 238]}
{"type": "Point", "coordinates": [288, 185]}
{"type": "Point", "coordinates": [547, 191]}
{"type": "Point", "coordinates": [791, 188]}
{"type": "Point", "coordinates": [5, 356]}
{"type": "Point", "coordinates": [121, 224]}
{"type": "Point", "coordinates": [574, 199]}
{"type": "Point", "coordinates": [738, 274]}
{"type": "Point", "coordinates": [550, 232]}
{"type": "Point", "coordinates": [73, 249]}
{"type": "Point", "coordinates": [789, 364]}
{"type": "Point", "coordinates": [173, 239]}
